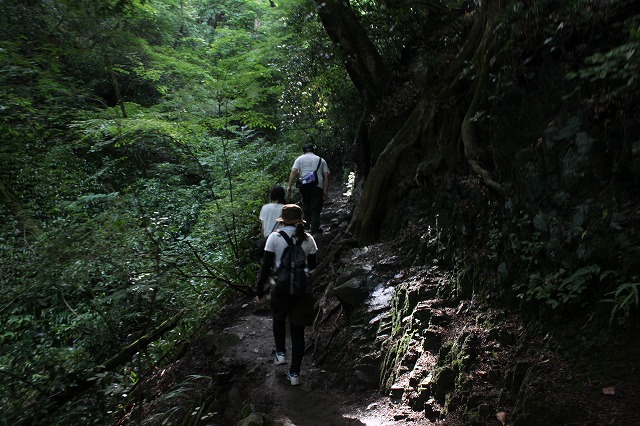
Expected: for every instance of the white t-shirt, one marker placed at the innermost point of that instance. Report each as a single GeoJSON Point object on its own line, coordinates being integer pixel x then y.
{"type": "Point", "coordinates": [276, 243]}
{"type": "Point", "coordinates": [308, 162]}
{"type": "Point", "coordinates": [269, 215]}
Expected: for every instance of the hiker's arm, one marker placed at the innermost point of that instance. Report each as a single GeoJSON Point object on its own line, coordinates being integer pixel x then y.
{"type": "Point", "coordinates": [294, 172]}
{"type": "Point", "coordinates": [265, 271]}
{"type": "Point", "coordinates": [312, 261]}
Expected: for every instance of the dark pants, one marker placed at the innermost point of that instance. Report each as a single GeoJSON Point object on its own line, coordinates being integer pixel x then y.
{"type": "Point", "coordinates": [297, 342]}
{"type": "Point", "coordinates": [301, 312]}
{"type": "Point", "coordinates": [312, 203]}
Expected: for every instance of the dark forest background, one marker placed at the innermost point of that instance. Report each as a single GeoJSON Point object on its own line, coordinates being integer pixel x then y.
{"type": "Point", "coordinates": [141, 137]}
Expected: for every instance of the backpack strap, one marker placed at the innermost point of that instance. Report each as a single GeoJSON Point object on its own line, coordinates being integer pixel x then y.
{"type": "Point", "coordinates": [288, 239]}
{"type": "Point", "coordinates": [318, 168]}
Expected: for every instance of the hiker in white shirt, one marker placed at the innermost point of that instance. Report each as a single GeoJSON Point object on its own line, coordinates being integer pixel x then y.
{"type": "Point", "coordinates": [299, 309]}
{"type": "Point", "coordinates": [270, 212]}
{"type": "Point", "coordinates": [314, 195]}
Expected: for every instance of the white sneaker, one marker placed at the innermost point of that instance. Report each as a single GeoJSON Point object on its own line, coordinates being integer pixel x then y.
{"type": "Point", "coordinates": [280, 358]}
{"type": "Point", "coordinates": [294, 378]}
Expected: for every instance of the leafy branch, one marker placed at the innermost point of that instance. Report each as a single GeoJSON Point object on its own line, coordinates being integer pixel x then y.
{"type": "Point", "coordinates": [624, 299]}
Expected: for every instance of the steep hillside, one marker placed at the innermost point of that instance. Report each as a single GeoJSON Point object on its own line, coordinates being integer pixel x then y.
{"type": "Point", "coordinates": [520, 153]}
{"type": "Point", "coordinates": [502, 175]}
{"type": "Point", "coordinates": [392, 345]}
{"type": "Point", "coordinates": [438, 337]}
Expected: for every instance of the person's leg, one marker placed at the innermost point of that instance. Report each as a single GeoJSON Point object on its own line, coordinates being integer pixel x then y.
{"type": "Point", "coordinates": [279, 335]}
{"type": "Point", "coordinates": [297, 348]}
{"type": "Point", "coordinates": [317, 202]}
{"type": "Point", "coordinates": [307, 204]}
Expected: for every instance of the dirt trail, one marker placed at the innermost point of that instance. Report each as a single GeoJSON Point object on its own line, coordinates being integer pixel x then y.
{"type": "Point", "coordinates": [264, 387]}
{"type": "Point", "coordinates": [228, 377]}
{"type": "Point", "coordinates": [256, 385]}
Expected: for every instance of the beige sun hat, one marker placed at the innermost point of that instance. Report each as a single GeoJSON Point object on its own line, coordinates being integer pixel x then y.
{"type": "Point", "coordinates": [291, 215]}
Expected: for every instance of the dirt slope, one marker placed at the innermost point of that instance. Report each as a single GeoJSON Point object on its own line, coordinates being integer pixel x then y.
{"type": "Point", "coordinates": [321, 399]}
{"type": "Point", "coordinates": [227, 377]}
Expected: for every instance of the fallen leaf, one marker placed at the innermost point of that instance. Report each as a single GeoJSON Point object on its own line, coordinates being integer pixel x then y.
{"type": "Point", "coordinates": [609, 390]}
{"type": "Point", "coordinates": [502, 417]}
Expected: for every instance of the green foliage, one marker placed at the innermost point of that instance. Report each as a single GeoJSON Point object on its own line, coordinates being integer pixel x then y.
{"type": "Point", "coordinates": [140, 141]}
{"type": "Point", "coordinates": [625, 301]}
{"type": "Point", "coordinates": [553, 287]}
{"type": "Point", "coordinates": [191, 401]}
{"type": "Point", "coordinates": [618, 65]}
{"type": "Point", "coordinates": [527, 243]}
{"type": "Point", "coordinates": [614, 69]}
{"type": "Point", "coordinates": [557, 288]}
{"type": "Point", "coordinates": [318, 101]}
{"type": "Point", "coordinates": [396, 27]}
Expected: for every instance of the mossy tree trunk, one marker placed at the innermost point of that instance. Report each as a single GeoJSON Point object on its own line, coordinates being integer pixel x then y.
{"type": "Point", "coordinates": [441, 125]}
{"type": "Point", "coordinates": [363, 64]}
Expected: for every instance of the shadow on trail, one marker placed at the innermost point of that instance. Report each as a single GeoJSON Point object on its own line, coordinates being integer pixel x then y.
{"type": "Point", "coordinates": [244, 351]}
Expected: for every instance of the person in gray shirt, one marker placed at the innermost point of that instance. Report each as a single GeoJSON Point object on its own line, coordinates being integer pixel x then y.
{"type": "Point", "coordinates": [315, 193]}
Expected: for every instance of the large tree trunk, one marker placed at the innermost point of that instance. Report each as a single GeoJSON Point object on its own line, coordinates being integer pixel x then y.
{"type": "Point", "coordinates": [483, 52]}
{"type": "Point", "coordinates": [369, 76]}
{"type": "Point", "coordinates": [375, 196]}
{"type": "Point", "coordinates": [361, 58]}
{"type": "Point", "coordinates": [363, 64]}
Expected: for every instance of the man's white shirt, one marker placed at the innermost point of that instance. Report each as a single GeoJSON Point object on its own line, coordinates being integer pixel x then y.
{"type": "Point", "coordinates": [308, 162]}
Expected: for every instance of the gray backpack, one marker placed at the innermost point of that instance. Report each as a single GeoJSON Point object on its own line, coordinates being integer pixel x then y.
{"type": "Point", "coordinates": [292, 276]}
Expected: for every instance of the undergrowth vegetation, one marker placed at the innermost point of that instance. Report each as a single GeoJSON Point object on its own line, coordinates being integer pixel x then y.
{"type": "Point", "coordinates": [140, 141]}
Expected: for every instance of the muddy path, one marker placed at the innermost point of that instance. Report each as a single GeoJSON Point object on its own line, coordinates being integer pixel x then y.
{"type": "Point", "coordinates": [256, 385]}
{"type": "Point", "coordinates": [253, 390]}
{"type": "Point", "coordinates": [228, 377]}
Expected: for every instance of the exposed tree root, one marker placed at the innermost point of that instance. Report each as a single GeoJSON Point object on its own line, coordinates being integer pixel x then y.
{"type": "Point", "coordinates": [374, 198]}
{"type": "Point", "coordinates": [476, 52]}
{"type": "Point", "coordinates": [467, 130]}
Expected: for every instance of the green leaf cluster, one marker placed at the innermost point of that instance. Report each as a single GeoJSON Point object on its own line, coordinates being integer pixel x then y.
{"type": "Point", "coordinates": [140, 140]}
{"type": "Point", "coordinates": [558, 288]}
{"type": "Point", "coordinates": [615, 69]}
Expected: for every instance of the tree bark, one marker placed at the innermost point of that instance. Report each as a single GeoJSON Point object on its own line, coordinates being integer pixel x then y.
{"type": "Point", "coordinates": [362, 147]}
{"type": "Point", "coordinates": [361, 58]}
{"type": "Point", "coordinates": [483, 50]}
{"type": "Point", "coordinates": [369, 75]}
{"type": "Point", "coordinates": [363, 64]}
{"type": "Point", "coordinates": [373, 205]}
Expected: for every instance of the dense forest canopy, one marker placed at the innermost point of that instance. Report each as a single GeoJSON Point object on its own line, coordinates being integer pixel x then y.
{"type": "Point", "coordinates": [141, 137]}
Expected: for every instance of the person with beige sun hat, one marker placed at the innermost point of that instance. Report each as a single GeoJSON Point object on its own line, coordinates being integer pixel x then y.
{"type": "Point", "coordinates": [298, 309]}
